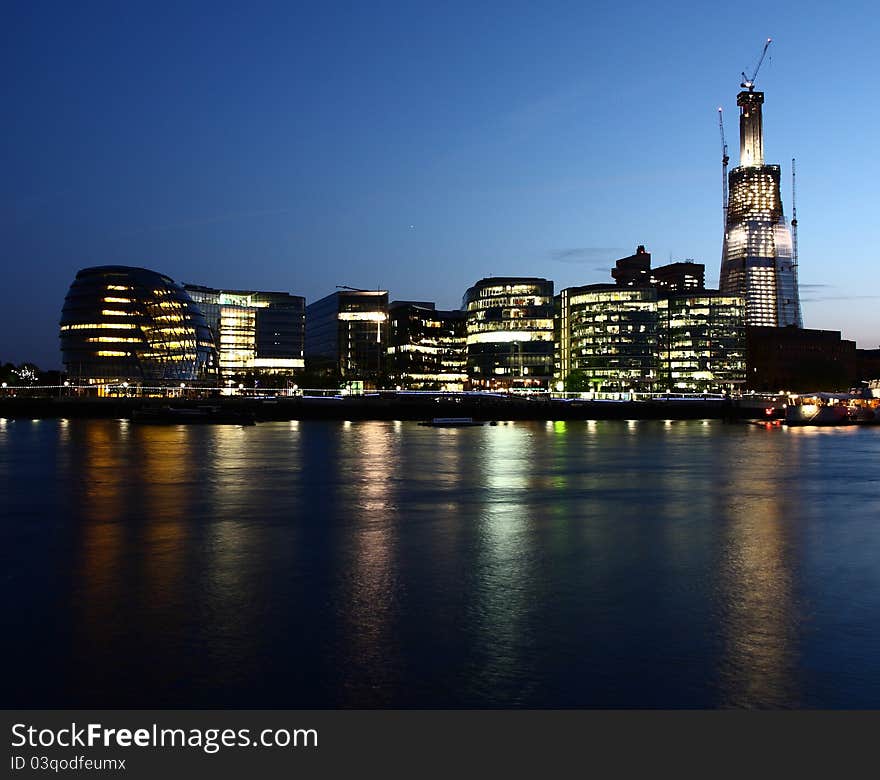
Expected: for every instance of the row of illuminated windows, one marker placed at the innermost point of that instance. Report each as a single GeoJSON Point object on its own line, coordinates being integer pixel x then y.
{"type": "Point", "coordinates": [479, 326]}
{"type": "Point", "coordinates": [511, 290]}
{"type": "Point", "coordinates": [100, 325]}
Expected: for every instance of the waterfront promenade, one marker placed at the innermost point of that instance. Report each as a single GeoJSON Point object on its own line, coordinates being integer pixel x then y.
{"type": "Point", "coordinates": [410, 406]}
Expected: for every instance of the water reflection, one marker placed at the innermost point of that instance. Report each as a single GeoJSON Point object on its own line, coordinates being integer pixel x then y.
{"type": "Point", "coordinates": [758, 666]}
{"type": "Point", "coordinates": [368, 601]}
{"type": "Point", "coordinates": [563, 564]}
{"type": "Point", "coordinates": [504, 580]}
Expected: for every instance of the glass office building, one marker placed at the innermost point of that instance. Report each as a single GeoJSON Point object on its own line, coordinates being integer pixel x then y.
{"type": "Point", "coordinates": [510, 332]}
{"type": "Point", "coordinates": [132, 324]}
{"type": "Point", "coordinates": [702, 342]}
{"type": "Point", "coordinates": [756, 261]}
{"type": "Point", "coordinates": [254, 331]}
{"type": "Point", "coordinates": [608, 332]}
{"type": "Point", "coordinates": [347, 336]}
{"type": "Point", "coordinates": [427, 347]}
{"type": "Point", "coordinates": [644, 340]}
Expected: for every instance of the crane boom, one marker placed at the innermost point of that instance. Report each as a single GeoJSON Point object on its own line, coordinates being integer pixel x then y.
{"type": "Point", "coordinates": [794, 221]}
{"type": "Point", "coordinates": [794, 247]}
{"type": "Point", "coordinates": [724, 160]}
{"type": "Point", "coordinates": [749, 83]}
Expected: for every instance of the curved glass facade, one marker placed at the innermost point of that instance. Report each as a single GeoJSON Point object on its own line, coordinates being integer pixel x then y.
{"type": "Point", "coordinates": [510, 332]}
{"type": "Point", "coordinates": [121, 323]}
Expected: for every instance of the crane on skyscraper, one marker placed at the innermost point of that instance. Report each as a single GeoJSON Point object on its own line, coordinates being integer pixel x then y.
{"type": "Point", "coordinates": [749, 83]}
{"type": "Point", "coordinates": [794, 244]}
{"type": "Point", "coordinates": [724, 160]}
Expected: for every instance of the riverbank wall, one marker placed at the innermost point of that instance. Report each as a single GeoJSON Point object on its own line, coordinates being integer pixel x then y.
{"type": "Point", "coordinates": [407, 407]}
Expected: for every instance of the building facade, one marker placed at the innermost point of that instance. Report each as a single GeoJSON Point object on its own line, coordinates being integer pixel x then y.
{"type": "Point", "coordinates": [134, 325]}
{"type": "Point", "coordinates": [701, 342]}
{"type": "Point", "coordinates": [509, 332]}
{"type": "Point", "coordinates": [254, 332]}
{"type": "Point", "coordinates": [757, 262]}
{"type": "Point", "coordinates": [680, 276]}
{"type": "Point", "coordinates": [799, 359]}
{"type": "Point", "coordinates": [608, 334]}
{"type": "Point", "coordinates": [427, 347]}
{"type": "Point", "coordinates": [347, 336]}
{"type": "Point", "coordinates": [655, 330]}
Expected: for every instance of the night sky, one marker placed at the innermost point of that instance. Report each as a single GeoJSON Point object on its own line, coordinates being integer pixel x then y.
{"type": "Point", "coordinates": [419, 147]}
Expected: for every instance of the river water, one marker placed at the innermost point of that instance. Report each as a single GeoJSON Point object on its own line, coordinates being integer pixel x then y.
{"type": "Point", "coordinates": [384, 564]}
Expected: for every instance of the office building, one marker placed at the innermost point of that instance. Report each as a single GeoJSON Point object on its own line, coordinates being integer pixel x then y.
{"type": "Point", "coordinates": [636, 271]}
{"type": "Point", "coordinates": [254, 332]}
{"type": "Point", "coordinates": [701, 341]}
{"type": "Point", "coordinates": [654, 330]}
{"type": "Point", "coordinates": [608, 333]}
{"type": "Point", "coordinates": [347, 337]}
{"type": "Point", "coordinates": [800, 359]}
{"type": "Point", "coordinates": [509, 332]}
{"type": "Point", "coordinates": [427, 347]}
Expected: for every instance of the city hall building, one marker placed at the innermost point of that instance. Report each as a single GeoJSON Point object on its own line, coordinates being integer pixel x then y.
{"type": "Point", "coordinates": [134, 325]}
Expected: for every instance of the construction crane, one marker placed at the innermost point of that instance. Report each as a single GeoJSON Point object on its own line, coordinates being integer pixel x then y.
{"type": "Point", "coordinates": [798, 314]}
{"type": "Point", "coordinates": [724, 160]}
{"type": "Point", "coordinates": [346, 287]}
{"type": "Point", "coordinates": [749, 83]}
{"type": "Point", "coordinates": [794, 245]}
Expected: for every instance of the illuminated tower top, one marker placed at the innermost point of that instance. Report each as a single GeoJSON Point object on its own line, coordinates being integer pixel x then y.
{"type": "Point", "coordinates": [751, 130]}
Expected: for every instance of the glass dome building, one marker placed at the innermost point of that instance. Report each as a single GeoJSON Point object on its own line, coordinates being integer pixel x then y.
{"type": "Point", "coordinates": [121, 323]}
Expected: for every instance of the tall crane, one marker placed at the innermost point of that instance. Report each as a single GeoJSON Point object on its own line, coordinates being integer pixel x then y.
{"type": "Point", "coordinates": [794, 247]}
{"type": "Point", "coordinates": [749, 83]}
{"type": "Point", "coordinates": [794, 243]}
{"type": "Point", "coordinates": [724, 160]}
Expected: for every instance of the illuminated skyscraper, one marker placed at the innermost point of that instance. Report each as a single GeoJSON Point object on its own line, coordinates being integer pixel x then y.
{"type": "Point", "coordinates": [756, 260]}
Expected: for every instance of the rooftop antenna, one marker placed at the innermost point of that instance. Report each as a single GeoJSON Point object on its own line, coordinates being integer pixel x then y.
{"type": "Point", "coordinates": [749, 83]}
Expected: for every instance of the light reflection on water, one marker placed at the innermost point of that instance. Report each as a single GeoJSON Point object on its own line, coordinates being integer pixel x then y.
{"type": "Point", "coordinates": [594, 564]}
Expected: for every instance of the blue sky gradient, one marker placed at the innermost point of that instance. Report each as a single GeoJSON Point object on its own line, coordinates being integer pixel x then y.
{"type": "Point", "coordinates": [418, 147]}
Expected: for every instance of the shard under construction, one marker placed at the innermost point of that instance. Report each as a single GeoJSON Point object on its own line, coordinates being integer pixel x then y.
{"type": "Point", "coordinates": [756, 260]}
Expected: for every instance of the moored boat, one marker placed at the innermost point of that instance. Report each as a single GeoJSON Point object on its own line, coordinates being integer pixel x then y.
{"type": "Point", "coordinates": [452, 422]}
{"type": "Point", "coordinates": [832, 409]}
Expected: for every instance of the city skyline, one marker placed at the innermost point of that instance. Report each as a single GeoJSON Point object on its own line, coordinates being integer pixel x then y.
{"type": "Point", "coordinates": [418, 151]}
